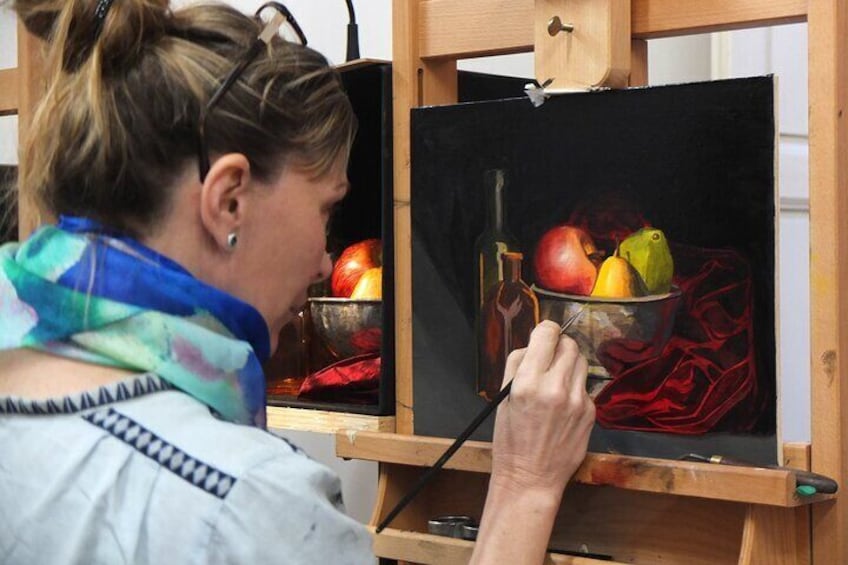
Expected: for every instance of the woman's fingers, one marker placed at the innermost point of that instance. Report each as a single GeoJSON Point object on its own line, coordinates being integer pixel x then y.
{"type": "Point", "coordinates": [579, 396]}
{"type": "Point", "coordinates": [541, 349]}
{"type": "Point", "coordinates": [579, 374]}
{"type": "Point", "coordinates": [562, 367]}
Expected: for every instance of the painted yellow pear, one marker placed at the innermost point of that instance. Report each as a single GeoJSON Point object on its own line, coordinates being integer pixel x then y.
{"type": "Point", "coordinates": [617, 279]}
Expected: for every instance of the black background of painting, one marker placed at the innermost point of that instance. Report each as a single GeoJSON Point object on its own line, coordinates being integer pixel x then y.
{"type": "Point", "coordinates": [696, 159]}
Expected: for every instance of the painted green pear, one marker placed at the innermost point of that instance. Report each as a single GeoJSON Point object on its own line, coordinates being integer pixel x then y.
{"type": "Point", "coordinates": [647, 251]}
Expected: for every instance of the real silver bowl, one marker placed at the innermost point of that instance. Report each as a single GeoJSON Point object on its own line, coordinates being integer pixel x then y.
{"type": "Point", "coordinates": [644, 323]}
{"type": "Point", "coordinates": [347, 327]}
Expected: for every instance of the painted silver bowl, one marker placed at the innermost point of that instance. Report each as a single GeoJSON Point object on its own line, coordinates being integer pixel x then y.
{"type": "Point", "coordinates": [644, 323]}
{"type": "Point", "coordinates": [347, 327]}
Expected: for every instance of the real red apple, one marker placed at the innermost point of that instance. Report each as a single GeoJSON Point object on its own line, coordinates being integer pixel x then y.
{"type": "Point", "coordinates": [370, 285]}
{"type": "Point", "coordinates": [352, 264]}
{"type": "Point", "coordinates": [564, 261]}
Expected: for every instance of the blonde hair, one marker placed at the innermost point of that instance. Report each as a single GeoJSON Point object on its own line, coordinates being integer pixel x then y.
{"type": "Point", "coordinates": [119, 120]}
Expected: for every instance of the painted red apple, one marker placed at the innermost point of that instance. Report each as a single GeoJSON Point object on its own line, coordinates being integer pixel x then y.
{"type": "Point", "coordinates": [352, 264]}
{"type": "Point", "coordinates": [563, 261]}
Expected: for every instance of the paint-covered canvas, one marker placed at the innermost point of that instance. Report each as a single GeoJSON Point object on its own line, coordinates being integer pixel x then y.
{"type": "Point", "coordinates": [645, 218]}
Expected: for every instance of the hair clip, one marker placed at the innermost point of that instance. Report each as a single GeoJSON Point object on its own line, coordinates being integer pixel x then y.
{"type": "Point", "coordinates": [100, 12]}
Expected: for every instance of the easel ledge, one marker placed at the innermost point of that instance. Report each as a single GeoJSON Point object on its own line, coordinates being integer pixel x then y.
{"type": "Point", "coordinates": [754, 485]}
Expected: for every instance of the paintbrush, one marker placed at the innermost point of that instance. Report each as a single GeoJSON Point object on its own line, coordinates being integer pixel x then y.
{"type": "Point", "coordinates": [427, 476]}
{"type": "Point", "coordinates": [819, 483]}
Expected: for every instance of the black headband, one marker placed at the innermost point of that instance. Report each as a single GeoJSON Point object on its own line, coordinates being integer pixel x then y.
{"type": "Point", "coordinates": [100, 12]}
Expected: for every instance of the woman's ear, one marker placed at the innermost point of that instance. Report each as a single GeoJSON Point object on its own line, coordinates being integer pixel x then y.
{"type": "Point", "coordinates": [223, 198]}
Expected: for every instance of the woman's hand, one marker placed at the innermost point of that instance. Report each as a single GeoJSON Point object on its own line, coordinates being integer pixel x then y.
{"type": "Point", "coordinates": [542, 428]}
{"type": "Point", "coordinates": [541, 434]}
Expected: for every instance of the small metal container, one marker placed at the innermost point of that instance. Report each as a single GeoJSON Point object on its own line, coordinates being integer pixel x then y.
{"type": "Point", "coordinates": [450, 526]}
{"type": "Point", "coordinates": [470, 531]}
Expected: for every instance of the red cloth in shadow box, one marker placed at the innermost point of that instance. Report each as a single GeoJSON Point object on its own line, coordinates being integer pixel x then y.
{"type": "Point", "coordinates": [354, 380]}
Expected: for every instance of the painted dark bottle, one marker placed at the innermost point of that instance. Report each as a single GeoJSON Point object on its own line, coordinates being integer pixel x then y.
{"type": "Point", "coordinates": [493, 241]}
{"type": "Point", "coordinates": [510, 312]}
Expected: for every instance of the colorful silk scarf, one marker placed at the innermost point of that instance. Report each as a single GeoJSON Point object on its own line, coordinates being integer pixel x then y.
{"type": "Point", "coordinates": [79, 291]}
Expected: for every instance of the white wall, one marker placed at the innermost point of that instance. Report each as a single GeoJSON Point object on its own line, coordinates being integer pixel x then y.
{"type": "Point", "coordinates": [780, 50]}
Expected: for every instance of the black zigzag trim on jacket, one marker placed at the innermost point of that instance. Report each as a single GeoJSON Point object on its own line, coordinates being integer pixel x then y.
{"type": "Point", "coordinates": [196, 472]}
{"type": "Point", "coordinates": [71, 404]}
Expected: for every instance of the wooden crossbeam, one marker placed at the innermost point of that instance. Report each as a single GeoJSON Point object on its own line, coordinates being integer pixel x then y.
{"type": "Point", "coordinates": [506, 26]}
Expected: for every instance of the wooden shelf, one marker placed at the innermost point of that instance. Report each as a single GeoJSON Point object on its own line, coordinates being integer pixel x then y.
{"type": "Point", "coordinates": [324, 421]}
{"type": "Point", "coordinates": [773, 487]}
{"type": "Point", "coordinates": [419, 547]}
{"type": "Point", "coordinates": [9, 96]}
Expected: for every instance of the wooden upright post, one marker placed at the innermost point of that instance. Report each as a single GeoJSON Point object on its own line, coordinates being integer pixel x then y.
{"type": "Point", "coordinates": [638, 63]}
{"type": "Point", "coordinates": [31, 83]}
{"type": "Point", "coordinates": [828, 92]}
{"type": "Point", "coordinates": [415, 82]}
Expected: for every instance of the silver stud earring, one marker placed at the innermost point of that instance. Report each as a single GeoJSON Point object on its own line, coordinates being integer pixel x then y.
{"type": "Point", "coordinates": [232, 240]}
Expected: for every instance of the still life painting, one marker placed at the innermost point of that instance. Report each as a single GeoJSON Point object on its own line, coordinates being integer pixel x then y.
{"type": "Point", "coordinates": [642, 218]}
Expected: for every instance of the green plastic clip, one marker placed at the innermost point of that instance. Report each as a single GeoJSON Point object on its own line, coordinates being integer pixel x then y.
{"type": "Point", "coordinates": [805, 490]}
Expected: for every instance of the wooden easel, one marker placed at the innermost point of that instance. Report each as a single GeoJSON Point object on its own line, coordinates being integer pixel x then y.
{"type": "Point", "coordinates": [637, 510]}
